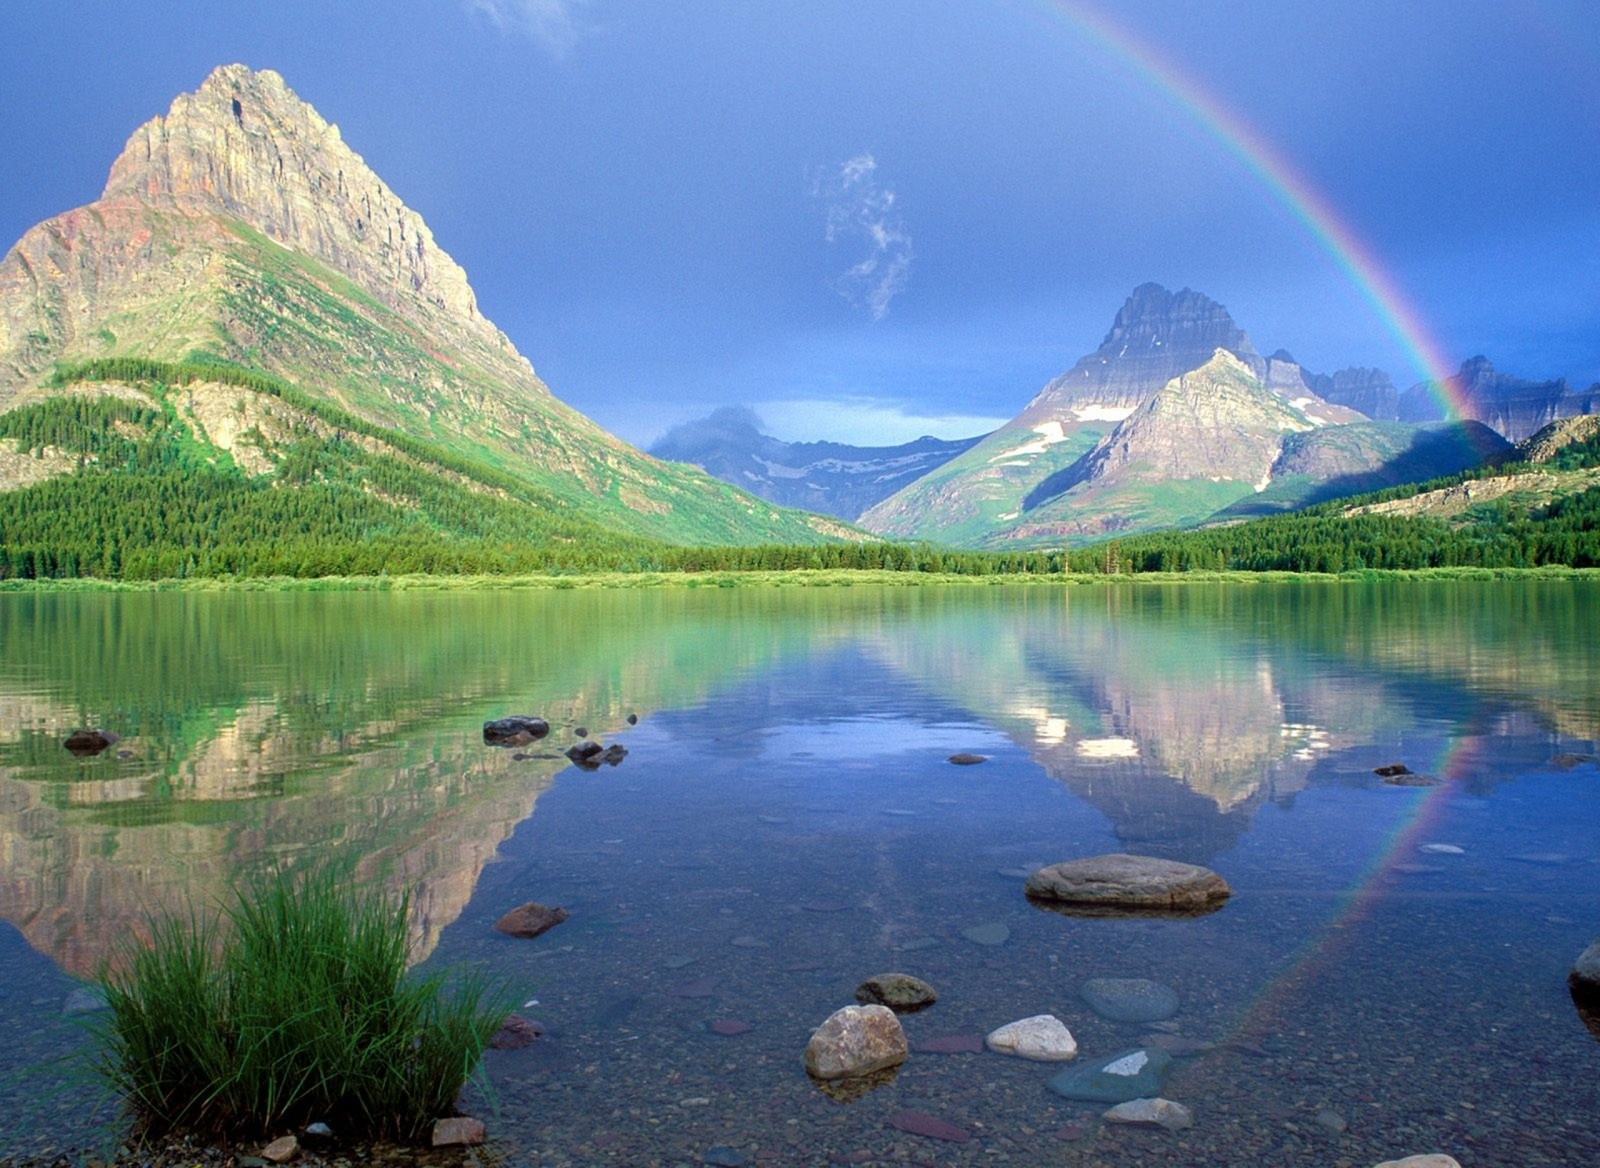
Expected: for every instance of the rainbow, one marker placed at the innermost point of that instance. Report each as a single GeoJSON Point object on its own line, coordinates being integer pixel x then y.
{"type": "Point", "coordinates": [1278, 178]}
{"type": "Point", "coordinates": [1309, 964]}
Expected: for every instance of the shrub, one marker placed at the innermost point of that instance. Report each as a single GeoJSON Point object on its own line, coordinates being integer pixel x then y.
{"type": "Point", "coordinates": [294, 1006]}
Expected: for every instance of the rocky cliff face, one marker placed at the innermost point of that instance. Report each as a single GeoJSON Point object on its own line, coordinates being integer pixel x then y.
{"type": "Point", "coordinates": [829, 477]}
{"type": "Point", "coordinates": [1510, 405]}
{"type": "Point", "coordinates": [1367, 391]}
{"type": "Point", "coordinates": [241, 228]}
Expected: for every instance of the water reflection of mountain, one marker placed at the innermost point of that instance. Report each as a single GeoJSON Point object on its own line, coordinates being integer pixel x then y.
{"type": "Point", "coordinates": [280, 729]}
{"type": "Point", "coordinates": [270, 730]}
{"type": "Point", "coordinates": [1178, 710]}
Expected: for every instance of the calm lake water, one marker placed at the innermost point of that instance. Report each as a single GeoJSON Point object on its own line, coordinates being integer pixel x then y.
{"type": "Point", "coordinates": [1389, 977]}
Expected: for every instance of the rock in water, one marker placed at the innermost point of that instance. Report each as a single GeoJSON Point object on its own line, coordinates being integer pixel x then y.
{"type": "Point", "coordinates": [965, 759]}
{"type": "Point", "coordinates": [1427, 1160]}
{"type": "Point", "coordinates": [517, 731]}
{"type": "Point", "coordinates": [457, 1131]}
{"type": "Point", "coordinates": [1152, 1113]}
{"type": "Point", "coordinates": [1118, 881]}
{"type": "Point", "coordinates": [1133, 1074]}
{"type": "Point", "coordinates": [583, 753]}
{"type": "Point", "coordinates": [1043, 1038]}
{"type": "Point", "coordinates": [1130, 999]}
{"type": "Point", "coordinates": [854, 1041]}
{"type": "Point", "coordinates": [516, 1032]}
{"type": "Point", "coordinates": [530, 920]}
{"type": "Point", "coordinates": [1584, 980]}
{"type": "Point", "coordinates": [85, 743]}
{"type": "Point", "coordinates": [901, 992]}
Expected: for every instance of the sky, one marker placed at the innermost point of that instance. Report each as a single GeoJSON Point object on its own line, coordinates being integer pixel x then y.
{"type": "Point", "coordinates": [875, 219]}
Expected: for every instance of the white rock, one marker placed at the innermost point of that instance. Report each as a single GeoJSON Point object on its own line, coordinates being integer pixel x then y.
{"type": "Point", "coordinates": [1443, 849]}
{"type": "Point", "coordinates": [1127, 1065]}
{"type": "Point", "coordinates": [1428, 1160]}
{"type": "Point", "coordinates": [856, 1040]}
{"type": "Point", "coordinates": [1152, 1113]}
{"type": "Point", "coordinates": [1044, 1038]}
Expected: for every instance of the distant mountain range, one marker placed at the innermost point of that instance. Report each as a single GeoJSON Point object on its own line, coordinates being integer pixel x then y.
{"type": "Point", "coordinates": [347, 359]}
{"type": "Point", "coordinates": [830, 477]}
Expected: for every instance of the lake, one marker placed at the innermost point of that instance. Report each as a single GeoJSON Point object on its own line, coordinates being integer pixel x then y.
{"type": "Point", "coordinates": [1388, 977]}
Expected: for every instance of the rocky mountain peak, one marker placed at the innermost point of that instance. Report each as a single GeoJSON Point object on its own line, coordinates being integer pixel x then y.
{"type": "Point", "coordinates": [1157, 335]}
{"type": "Point", "coordinates": [246, 147]}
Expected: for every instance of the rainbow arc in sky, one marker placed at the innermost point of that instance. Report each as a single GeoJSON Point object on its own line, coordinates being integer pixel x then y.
{"type": "Point", "coordinates": [1278, 178]}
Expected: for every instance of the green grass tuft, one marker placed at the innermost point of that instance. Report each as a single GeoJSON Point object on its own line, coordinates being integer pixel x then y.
{"type": "Point", "coordinates": [293, 1006]}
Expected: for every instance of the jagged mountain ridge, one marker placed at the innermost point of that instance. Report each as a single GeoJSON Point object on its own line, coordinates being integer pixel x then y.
{"type": "Point", "coordinates": [828, 477]}
{"type": "Point", "coordinates": [1512, 406]}
{"type": "Point", "coordinates": [240, 229]}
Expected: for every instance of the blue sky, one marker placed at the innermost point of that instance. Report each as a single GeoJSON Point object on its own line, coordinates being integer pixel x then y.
{"type": "Point", "coordinates": [871, 219]}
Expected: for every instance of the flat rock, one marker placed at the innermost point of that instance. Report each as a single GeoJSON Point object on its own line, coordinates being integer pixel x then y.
{"type": "Point", "coordinates": [723, 1156]}
{"type": "Point", "coordinates": [901, 992]}
{"type": "Point", "coordinates": [84, 1000]}
{"type": "Point", "coordinates": [1178, 1045]}
{"type": "Point", "coordinates": [1163, 1113]}
{"type": "Point", "coordinates": [856, 1041]}
{"type": "Point", "coordinates": [1443, 849]}
{"type": "Point", "coordinates": [950, 1044]}
{"type": "Point", "coordinates": [921, 1124]}
{"type": "Point", "coordinates": [991, 934]}
{"type": "Point", "coordinates": [281, 1150]}
{"type": "Point", "coordinates": [965, 759]}
{"type": "Point", "coordinates": [1044, 1038]}
{"type": "Point", "coordinates": [530, 920]}
{"type": "Point", "coordinates": [1132, 1074]}
{"type": "Point", "coordinates": [517, 731]}
{"type": "Point", "coordinates": [1120, 881]}
{"type": "Point", "coordinates": [1130, 999]}
{"type": "Point", "coordinates": [729, 1027]}
{"type": "Point", "coordinates": [457, 1131]}
{"type": "Point", "coordinates": [1426, 1160]}
{"type": "Point", "coordinates": [1392, 770]}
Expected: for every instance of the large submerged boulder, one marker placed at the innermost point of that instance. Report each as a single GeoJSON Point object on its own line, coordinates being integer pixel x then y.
{"type": "Point", "coordinates": [515, 731]}
{"type": "Point", "coordinates": [1118, 882]}
{"type": "Point", "coordinates": [856, 1041]}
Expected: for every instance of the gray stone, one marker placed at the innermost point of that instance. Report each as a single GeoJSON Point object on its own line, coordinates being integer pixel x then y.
{"type": "Point", "coordinates": [991, 934]}
{"type": "Point", "coordinates": [1333, 1121]}
{"type": "Point", "coordinates": [1119, 881]}
{"type": "Point", "coordinates": [518, 731]}
{"type": "Point", "coordinates": [724, 1157]}
{"type": "Point", "coordinates": [1130, 999]}
{"type": "Point", "coordinates": [1427, 1160]}
{"type": "Point", "coordinates": [965, 759]}
{"type": "Point", "coordinates": [1163, 1113]}
{"type": "Point", "coordinates": [855, 1041]}
{"type": "Point", "coordinates": [901, 992]}
{"type": "Point", "coordinates": [1043, 1038]}
{"type": "Point", "coordinates": [1132, 1074]}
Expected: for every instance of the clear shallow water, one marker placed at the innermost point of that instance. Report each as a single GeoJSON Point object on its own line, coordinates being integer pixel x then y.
{"type": "Point", "coordinates": [786, 825]}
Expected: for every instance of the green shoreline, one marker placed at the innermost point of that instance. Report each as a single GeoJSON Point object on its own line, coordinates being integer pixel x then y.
{"type": "Point", "coordinates": [790, 578]}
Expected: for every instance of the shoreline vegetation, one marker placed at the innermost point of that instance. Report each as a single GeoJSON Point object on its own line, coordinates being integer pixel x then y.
{"type": "Point", "coordinates": [765, 578]}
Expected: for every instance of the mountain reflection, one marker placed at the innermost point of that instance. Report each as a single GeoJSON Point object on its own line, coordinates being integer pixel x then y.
{"type": "Point", "coordinates": [267, 730]}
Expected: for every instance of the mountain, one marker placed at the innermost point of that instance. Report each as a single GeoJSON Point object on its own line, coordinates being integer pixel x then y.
{"type": "Point", "coordinates": [1027, 482]}
{"type": "Point", "coordinates": [1514, 407]}
{"type": "Point", "coordinates": [1367, 391]}
{"type": "Point", "coordinates": [829, 477]}
{"type": "Point", "coordinates": [300, 326]}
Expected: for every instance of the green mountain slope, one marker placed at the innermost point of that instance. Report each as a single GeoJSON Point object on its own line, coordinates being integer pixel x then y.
{"type": "Point", "coordinates": [239, 230]}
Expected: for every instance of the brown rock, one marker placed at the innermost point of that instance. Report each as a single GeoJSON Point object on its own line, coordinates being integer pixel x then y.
{"type": "Point", "coordinates": [920, 1124]}
{"type": "Point", "coordinates": [965, 759]}
{"type": "Point", "coordinates": [89, 742]}
{"type": "Point", "coordinates": [855, 1041]}
{"type": "Point", "coordinates": [529, 920]}
{"type": "Point", "coordinates": [457, 1131]}
{"type": "Point", "coordinates": [901, 992]}
{"type": "Point", "coordinates": [1129, 882]}
{"type": "Point", "coordinates": [281, 1151]}
{"type": "Point", "coordinates": [516, 1032]}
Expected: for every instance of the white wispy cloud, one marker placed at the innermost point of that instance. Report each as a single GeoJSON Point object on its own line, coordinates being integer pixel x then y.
{"type": "Point", "coordinates": [557, 25]}
{"type": "Point", "coordinates": [865, 421]}
{"type": "Point", "coordinates": [858, 207]}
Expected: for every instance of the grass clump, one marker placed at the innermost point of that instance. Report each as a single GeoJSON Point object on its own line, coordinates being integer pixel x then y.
{"type": "Point", "coordinates": [294, 1006]}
